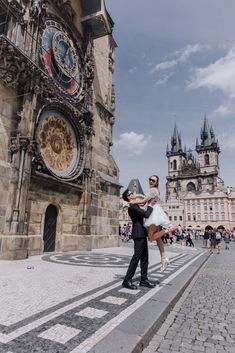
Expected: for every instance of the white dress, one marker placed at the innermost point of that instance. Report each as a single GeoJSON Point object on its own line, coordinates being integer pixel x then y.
{"type": "Point", "coordinates": [158, 216]}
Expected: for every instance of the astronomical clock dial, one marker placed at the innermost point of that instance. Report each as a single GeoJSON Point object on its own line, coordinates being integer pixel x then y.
{"type": "Point", "coordinates": [58, 144]}
{"type": "Point", "coordinates": [60, 58]}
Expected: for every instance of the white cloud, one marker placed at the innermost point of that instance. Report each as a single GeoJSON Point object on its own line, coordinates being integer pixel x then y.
{"type": "Point", "coordinates": [224, 109]}
{"type": "Point", "coordinates": [181, 56]}
{"type": "Point", "coordinates": [185, 53]}
{"type": "Point", "coordinates": [218, 75]}
{"type": "Point", "coordinates": [132, 70]}
{"type": "Point", "coordinates": [164, 66]}
{"type": "Point", "coordinates": [227, 139]}
{"type": "Point", "coordinates": [163, 79]}
{"type": "Point", "coordinates": [133, 143]}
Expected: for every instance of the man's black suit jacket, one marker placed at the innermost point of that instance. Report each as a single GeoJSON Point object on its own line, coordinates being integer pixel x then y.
{"type": "Point", "coordinates": [137, 215]}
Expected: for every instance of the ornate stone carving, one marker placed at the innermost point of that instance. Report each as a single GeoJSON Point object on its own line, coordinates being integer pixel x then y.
{"type": "Point", "coordinates": [111, 61]}
{"type": "Point", "coordinates": [113, 98]}
{"type": "Point", "coordinates": [15, 6]}
{"type": "Point", "coordinates": [14, 68]}
{"type": "Point", "coordinates": [65, 7]}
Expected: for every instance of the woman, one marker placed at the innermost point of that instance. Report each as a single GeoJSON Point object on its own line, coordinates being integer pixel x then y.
{"type": "Point", "coordinates": [157, 219]}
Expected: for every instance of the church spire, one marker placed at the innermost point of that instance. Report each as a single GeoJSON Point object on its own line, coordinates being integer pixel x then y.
{"type": "Point", "coordinates": [208, 141]}
{"type": "Point", "coordinates": [206, 134]}
{"type": "Point", "coordinates": [176, 145]}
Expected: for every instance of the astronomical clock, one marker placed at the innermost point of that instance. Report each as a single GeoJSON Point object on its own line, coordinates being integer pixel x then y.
{"type": "Point", "coordinates": [61, 58]}
{"type": "Point", "coordinates": [60, 144]}
{"type": "Point", "coordinates": [60, 140]}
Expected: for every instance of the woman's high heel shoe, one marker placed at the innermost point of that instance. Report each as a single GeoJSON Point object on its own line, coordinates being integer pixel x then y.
{"type": "Point", "coordinates": [165, 263]}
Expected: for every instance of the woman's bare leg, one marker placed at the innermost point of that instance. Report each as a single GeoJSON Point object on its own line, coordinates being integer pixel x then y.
{"type": "Point", "coordinates": [164, 259]}
{"type": "Point", "coordinates": [155, 232]}
{"type": "Point", "coordinates": [160, 245]}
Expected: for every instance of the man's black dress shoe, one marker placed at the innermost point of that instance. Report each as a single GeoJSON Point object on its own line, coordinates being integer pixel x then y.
{"type": "Point", "coordinates": [146, 283]}
{"type": "Point", "coordinates": [129, 285]}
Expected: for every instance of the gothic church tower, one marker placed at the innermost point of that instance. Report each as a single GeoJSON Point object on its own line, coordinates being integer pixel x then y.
{"type": "Point", "coordinates": [189, 174]}
{"type": "Point", "coordinates": [208, 150]}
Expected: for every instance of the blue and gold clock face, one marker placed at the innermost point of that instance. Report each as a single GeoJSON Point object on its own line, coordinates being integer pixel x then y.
{"type": "Point", "coordinates": [59, 56]}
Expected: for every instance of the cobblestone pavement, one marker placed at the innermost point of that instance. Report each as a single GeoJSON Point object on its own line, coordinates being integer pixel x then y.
{"type": "Point", "coordinates": [203, 320]}
{"type": "Point", "coordinates": [68, 302]}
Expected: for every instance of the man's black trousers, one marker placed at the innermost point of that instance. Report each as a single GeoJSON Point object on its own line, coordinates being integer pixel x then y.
{"type": "Point", "coordinates": [140, 254]}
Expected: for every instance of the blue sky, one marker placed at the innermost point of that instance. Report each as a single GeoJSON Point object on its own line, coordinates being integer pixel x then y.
{"type": "Point", "coordinates": [175, 62]}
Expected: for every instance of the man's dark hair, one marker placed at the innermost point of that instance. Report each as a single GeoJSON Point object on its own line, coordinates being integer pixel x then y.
{"type": "Point", "coordinates": [125, 195]}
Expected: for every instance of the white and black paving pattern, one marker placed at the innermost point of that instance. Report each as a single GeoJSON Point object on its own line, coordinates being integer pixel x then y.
{"type": "Point", "coordinates": [203, 320]}
{"type": "Point", "coordinates": [73, 322]}
{"type": "Point", "coordinates": [89, 260]}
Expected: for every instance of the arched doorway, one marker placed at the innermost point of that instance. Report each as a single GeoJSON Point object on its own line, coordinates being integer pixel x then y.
{"type": "Point", "coordinates": [50, 229]}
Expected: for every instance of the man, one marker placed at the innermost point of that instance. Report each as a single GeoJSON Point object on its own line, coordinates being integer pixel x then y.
{"type": "Point", "coordinates": [218, 236]}
{"type": "Point", "coordinates": [139, 235]}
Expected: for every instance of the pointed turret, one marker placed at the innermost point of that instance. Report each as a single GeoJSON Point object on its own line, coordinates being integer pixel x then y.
{"type": "Point", "coordinates": [206, 133]}
{"type": "Point", "coordinates": [135, 187]}
{"type": "Point", "coordinates": [208, 141]}
{"type": "Point", "coordinates": [176, 145]}
{"type": "Point", "coordinates": [167, 149]}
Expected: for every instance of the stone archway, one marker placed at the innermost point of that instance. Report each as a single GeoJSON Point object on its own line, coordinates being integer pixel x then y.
{"type": "Point", "coordinates": [49, 233]}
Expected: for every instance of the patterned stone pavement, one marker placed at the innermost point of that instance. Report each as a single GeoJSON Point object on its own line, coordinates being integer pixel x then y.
{"type": "Point", "coordinates": [47, 306]}
{"type": "Point", "coordinates": [203, 320]}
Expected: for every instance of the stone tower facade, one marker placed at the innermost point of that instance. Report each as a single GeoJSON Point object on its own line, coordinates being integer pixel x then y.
{"type": "Point", "coordinates": [187, 173]}
{"type": "Point", "coordinates": [195, 193]}
{"type": "Point", "coordinates": [58, 181]}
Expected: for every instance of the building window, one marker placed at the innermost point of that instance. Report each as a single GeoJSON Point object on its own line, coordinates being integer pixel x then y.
{"type": "Point", "coordinates": [174, 164]}
{"type": "Point", "coordinates": [207, 159]}
{"type": "Point", "coordinates": [194, 217]}
{"type": "Point", "coordinates": [198, 217]}
{"type": "Point", "coordinates": [211, 217]}
{"type": "Point", "coordinates": [191, 187]}
{"type": "Point", "coordinates": [175, 218]}
{"type": "Point", "coordinates": [206, 217]}
{"type": "Point", "coordinates": [181, 218]}
{"type": "Point", "coordinates": [170, 218]}
{"type": "Point", "coordinates": [211, 208]}
{"type": "Point", "coordinates": [222, 216]}
{"type": "Point", "coordinates": [189, 217]}
{"type": "Point", "coordinates": [222, 207]}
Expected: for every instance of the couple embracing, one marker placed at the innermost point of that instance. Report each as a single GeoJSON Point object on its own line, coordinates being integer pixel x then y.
{"type": "Point", "coordinates": [152, 223]}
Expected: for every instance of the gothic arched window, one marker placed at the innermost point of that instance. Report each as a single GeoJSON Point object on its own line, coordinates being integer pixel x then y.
{"type": "Point", "coordinates": [174, 164]}
{"type": "Point", "coordinates": [207, 159]}
{"type": "Point", "coordinates": [191, 187]}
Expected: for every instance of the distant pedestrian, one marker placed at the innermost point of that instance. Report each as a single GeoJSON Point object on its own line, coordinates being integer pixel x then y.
{"type": "Point", "coordinates": [218, 237]}
{"type": "Point", "coordinates": [212, 238]}
{"type": "Point", "coordinates": [227, 238]}
{"type": "Point", "coordinates": [206, 236]}
{"type": "Point", "coordinates": [171, 238]}
{"type": "Point", "coordinates": [189, 240]}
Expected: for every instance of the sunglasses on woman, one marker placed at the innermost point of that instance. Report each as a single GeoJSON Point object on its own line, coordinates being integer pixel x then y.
{"type": "Point", "coordinates": [152, 180]}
